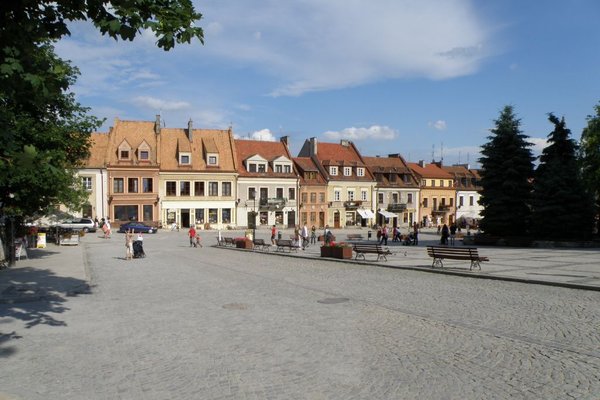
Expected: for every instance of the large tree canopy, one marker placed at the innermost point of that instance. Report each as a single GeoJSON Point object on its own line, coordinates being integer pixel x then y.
{"type": "Point", "coordinates": [44, 132]}
{"type": "Point", "coordinates": [562, 208]}
{"type": "Point", "coordinates": [590, 158]}
{"type": "Point", "coordinates": [506, 173]}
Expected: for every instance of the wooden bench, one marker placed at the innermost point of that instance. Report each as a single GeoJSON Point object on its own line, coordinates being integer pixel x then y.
{"type": "Point", "coordinates": [370, 248]}
{"type": "Point", "coordinates": [260, 244]}
{"type": "Point", "coordinates": [229, 241]}
{"type": "Point", "coordinates": [354, 237]}
{"type": "Point", "coordinates": [282, 244]}
{"type": "Point", "coordinates": [439, 253]}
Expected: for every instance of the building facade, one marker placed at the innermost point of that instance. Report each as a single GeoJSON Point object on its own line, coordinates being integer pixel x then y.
{"type": "Point", "coordinates": [468, 193]}
{"type": "Point", "coordinates": [313, 207]}
{"type": "Point", "coordinates": [437, 205]}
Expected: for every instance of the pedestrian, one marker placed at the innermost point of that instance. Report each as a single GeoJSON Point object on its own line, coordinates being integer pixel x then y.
{"type": "Point", "coordinates": [304, 237]}
{"type": "Point", "coordinates": [129, 244]}
{"type": "Point", "coordinates": [327, 235]}
{"type": "Point", "coordinates": [297, 237]}
{"type": "Point", "coordinates": [384, 235]}
{"type": "Point", "coordinates": [273, 234]}
{"type": "Point", "coordinates": [198, 240]}
{"type": "Point", "coordinates": [445, 233]}
{"type": "Point", "coordinates": [313, 235]}
{"type": "Point", "coordinates": [192, 235]}
{"type": "Point", "coordinates": [415, 234]}
{"type": "Point", "coordinates": [452, 233]}
{"type": "Point", "coordinates": [106, 229]}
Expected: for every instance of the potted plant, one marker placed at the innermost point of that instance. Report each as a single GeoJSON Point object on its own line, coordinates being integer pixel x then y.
{"type": "Point", "coordinates": [337, 250]}
{"type": "Point", "coordinates": [243, 243]}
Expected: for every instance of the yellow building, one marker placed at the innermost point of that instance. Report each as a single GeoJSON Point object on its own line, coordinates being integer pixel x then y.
{"type": "Point", "coordinates": [437, 205]}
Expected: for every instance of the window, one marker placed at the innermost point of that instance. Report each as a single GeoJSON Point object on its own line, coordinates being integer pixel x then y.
{"type": "Point", "coordinates": [252, 167]}
{"type": "Point", "coordinates": [287, 169]}
{"type": "Point", "coordinates": [425, 202]}
{"type": "Point", "coordinates": [279, 168]}
{"type": "Point", "coordinates": [226, 188]}
{"type": "Point", "coordinates": [199, 214]}
{"type": "Point", "coordinates": [433, 182]}
{"type": "Point", "coordinates": [392, 178]}
{"type": "Point", "coordinates": [350, 195]}
{"type": "Point", "coordinates": [333, 170]}
{"type": "Point", "coordinates": [360, 172]}
{"type": "Point", "coordinates": [409, 198]}
{"type": "Point", "coordinates": [213, 215]}
{"type": "Point", "coordinates": [380, 198]}
{"type": "Point", "coordinates": [147, 212]}
{"type": "Point", "coordinates": [86, 181]}
{"type": "Point", "coordinates": [441, 183]}
{"type": "Point", "coordinates": [124, 155]}
{"type": "Point", "coordinates": [313, 217]}
{"type": "Point", "coordinates": [132, 185]}
{"type": "Point", "coordinates": [171, 188]}
{"type": "Point", "coordinates": [144, 155]}
{"type": "Point", "coordinates": [395, 198]}
{"type": "Point", "coordinates": [212, 160]}
{"type": "Point", "coordinates": [147, 186]}
{"type": "Point", "coordinates": [251, 193]}
{"type": "Point", "coordinates": [184, 159]}
{"type": "Point", "coordinates": [226, 215]}
{"type": "Point", "coordinates": [451, 201]}
{"type": "Point", "coordinates": [313, 197]}
{"type": "Point", "coordinates": [261, 168]}
{"type": "Point", "coordinates": [292, 194]}
{"type": "Point", "coordinates": [471, 200]}
{"type": "Point", "coordinates": [126, 213]}
{"type": "Point", "coordinates": [337, 195]}
{"type": "Point", "coordinates": [118, 185]}
{"type": "Point", "coordinates": [279, 193]}
{"type": "Point", "coordinates": [363, 195]}
{"type": "Point", "coordinates": [198, 188]}
{"type": "Point", "coordinates": [443, 201]}
{"type": "Point", "coordinates": [347, 171]}
{"type": "Point", "coordinates": [321, 197]}
{"type": "Point", "coordinates": [461, 201]}
{"type": "Point", "coordinates": [213, 188]}
{"type": "Point", "coordinates": [184, 188]}
{"type": "Point", "coordinates": [304, 218]}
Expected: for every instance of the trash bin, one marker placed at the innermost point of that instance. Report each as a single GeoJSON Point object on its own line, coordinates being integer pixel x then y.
{"type": "Point", "coordinates": [279, 235]}
{"type": "Point", "coordinates": [369, 235]}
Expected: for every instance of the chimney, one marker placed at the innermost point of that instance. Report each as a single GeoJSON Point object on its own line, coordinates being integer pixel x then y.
{"type": "Point", "coordinates": [313, 146]}
{"type": "Point", "coordinates": [157, 124]}
{"type": "Point", "coordinates": [395, 155]}
{"type": "Point", "coordinates": [345, 142]}
{"type": "Point", "coordinates": [284, 140]}
{"type": "Point", "coordinates": [190, 130]}
{"type": "Point", "coordinates": [422, 164]}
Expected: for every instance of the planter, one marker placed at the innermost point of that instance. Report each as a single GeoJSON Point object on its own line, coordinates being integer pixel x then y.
{"type": "Point", "coordinates": [336, 252]}
{"type": "Point", "coordinates": [243, 244]}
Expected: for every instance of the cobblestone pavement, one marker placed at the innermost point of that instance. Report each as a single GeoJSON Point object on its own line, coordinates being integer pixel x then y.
{"type": "Point", "coordinates": [209, 323]}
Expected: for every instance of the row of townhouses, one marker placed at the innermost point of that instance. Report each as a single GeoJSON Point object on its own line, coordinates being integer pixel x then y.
{"type": "Point", "coordinates": [141, 170]}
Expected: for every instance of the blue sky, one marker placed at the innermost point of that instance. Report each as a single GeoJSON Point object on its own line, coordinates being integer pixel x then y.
{"type": "Point", "coordinates": [394, 76]}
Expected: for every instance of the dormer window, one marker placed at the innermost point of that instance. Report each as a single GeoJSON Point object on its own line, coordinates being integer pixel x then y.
{"type": "Point", "coordinates": [347, 171]}
{"type": "Point", "coordinates": [262, 168]}
{"type": "Point", "coordinates": [287, 169]}
{"type": "Point", "coordinates": [185, 158]}
{"type": "Point", "coordinates": [213, 160]}
{"type": "Point", "coordinates": [279, 168]}
{"type": "Point", "coordinates": [124, 151]}
{"type": "Point", "coordinates": [144, 155]}
{"type": "Point", "coordinates": [360, 172]}
{"type": "Point", "coordinates": [333, 170]}
{"type": "Point", "coordinates": [124, 154]}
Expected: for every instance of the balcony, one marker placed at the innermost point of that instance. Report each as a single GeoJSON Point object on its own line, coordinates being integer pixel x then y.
{"type": "Point", "coordinates": [274, 203]}
{"type": "Point", "coordinates": [352, 205]}
{"type": "Point", "coordinates": [396, 207]}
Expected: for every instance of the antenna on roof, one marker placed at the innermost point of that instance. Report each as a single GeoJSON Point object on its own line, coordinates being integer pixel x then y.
{"type": "Point", "coordinates": [432, 152]}
{"type": "Point", "coordinates": [459, 156]}
{"type": "Point", "coordinates": [442, 153]}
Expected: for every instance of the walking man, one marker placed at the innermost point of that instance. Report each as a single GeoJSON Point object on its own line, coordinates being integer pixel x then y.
{"type": "Point", "coordinates": [192, 235]}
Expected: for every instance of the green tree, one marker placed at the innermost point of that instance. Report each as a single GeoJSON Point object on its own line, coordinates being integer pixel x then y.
{"type": "Point", "coordinates": [590, 159]}
{"type": "Point", "coordinates": [44, 132]}
{"type": "Point", "coordinates": [506, 172]}
{"type": "Point", "coordinates": [562, 208]}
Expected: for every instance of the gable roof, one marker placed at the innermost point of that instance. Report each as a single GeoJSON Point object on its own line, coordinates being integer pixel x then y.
{"type": "Point", "coordinates": [134, 133]}
{"type": "Point", "coordinates": [383, 167]}
{"type": "Point", "coordinates": [268, 150]}
{"type": "Point", "coordinates": [430, 171]}
{"type": "Point", "coordinates": [99, 145]}
{"type": "Point", "coordinates": [306, 164]}
{"type": "Point", "coordinates": [176, 140]}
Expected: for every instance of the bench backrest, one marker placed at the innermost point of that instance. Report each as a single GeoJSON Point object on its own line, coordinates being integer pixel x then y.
{"type": "Point", "coordinates": [367, 246]}
{"type": "Point", "coordinates": [259, 241]}
{"type": "Point", "coordinates": [472, 252]}
{"type": "Point", "coordinates": [284, 242]}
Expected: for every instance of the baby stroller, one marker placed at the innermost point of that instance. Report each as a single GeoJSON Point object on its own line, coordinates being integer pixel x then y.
{"type": "Point", "coordinates": [138, 249]}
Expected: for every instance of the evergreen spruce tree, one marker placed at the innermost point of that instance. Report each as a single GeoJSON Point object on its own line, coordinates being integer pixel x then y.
{"type": "Point", "coordinates": [590, 160]}
{"type": "Point", "coordinates": [506, 172]}
{"type": "Point", "coordinates": [562, 208]}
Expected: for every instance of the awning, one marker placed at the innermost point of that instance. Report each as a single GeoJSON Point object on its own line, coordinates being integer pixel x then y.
{"type": "Point", "coordinates": [366, 214]}
{"type": "Point", "coordinates": [387, 214]}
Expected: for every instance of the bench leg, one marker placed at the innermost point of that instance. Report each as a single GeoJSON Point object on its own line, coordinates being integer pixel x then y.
{"type": "Point", "coordinates": [361, 255]}
{"type": "Point", "coordinates": [437, 262]}
{"type": "Point", "coordinates": [475, 264]}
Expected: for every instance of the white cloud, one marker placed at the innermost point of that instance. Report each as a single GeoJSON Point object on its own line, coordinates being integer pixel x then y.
{"type": "Point", "coordinates": [319, 45]}
{"type": "Point", "coordinates": [373, 132]}
{"type": "Point", "coordinates": [538, 145]}
{"type": "Point", "coordinates": [264, 134]}
{"type": "Point", "coordinates": [159, 105]}
{"type": "Point", "coordinates": [440, 125]}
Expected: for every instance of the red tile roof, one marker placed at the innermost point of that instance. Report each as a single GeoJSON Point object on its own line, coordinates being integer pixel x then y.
{"type": "Point", "coordinates": [266, 149]}
{"type": "Point", "coordinates": [430, 171]}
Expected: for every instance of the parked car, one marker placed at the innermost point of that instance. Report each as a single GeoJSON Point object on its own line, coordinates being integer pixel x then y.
{"type": "Point", "coordinates": [137, 227]}
{"type": "Point", "coordinates": [84, 224]}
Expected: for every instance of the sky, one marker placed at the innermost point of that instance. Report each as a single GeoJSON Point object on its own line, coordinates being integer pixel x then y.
{"type": "Point", "coordinates": [423, 78]}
